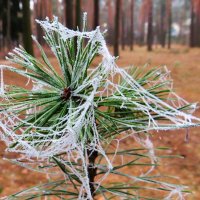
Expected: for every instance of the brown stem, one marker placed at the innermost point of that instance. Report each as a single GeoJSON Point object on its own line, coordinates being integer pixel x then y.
{"type": "Point", "coordinates": [92, 170]}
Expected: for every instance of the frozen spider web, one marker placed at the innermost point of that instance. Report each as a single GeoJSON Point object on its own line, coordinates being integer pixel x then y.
{"type": "Point", "coordinates": [63, 137]}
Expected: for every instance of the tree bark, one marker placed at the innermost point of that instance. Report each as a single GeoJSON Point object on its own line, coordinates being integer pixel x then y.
{"type": "Point", "coordinates": [27, 40]}
{"type": "Point", "coordinates": [150, 26]}
{"type": "Point", "coordinates": [96, 14]}
{"type": "Point", "coordinates": [116, 35]}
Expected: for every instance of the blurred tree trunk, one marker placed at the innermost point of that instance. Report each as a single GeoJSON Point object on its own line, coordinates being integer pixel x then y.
{"type": "Point", "coordinates": [150, 26]}
{"type": "Point", "coordinates": [39, 15]}
{"type": "Point", "coordinates": [2, 7]}
{"type": "Point", "coordinates": [110, 22]}
{"type": "Point", "coordinates": [110, 14]}
{"type": "Point", "coordinates": [1, 34]}
{"type": "Point", "coordinates": [163, 23]}
{"type": "Point", "coordinates": [195, 23]}
{"type": "Point", "coordinates": [116, 35]}
{"type": "Point", "coordinates": [16, 21]}
{"type": "Point", "coordinates": [69, 14]}
{"type": "Point", "coordinates": [27, 40]}
{"type": "Point", "coordinates": [43, 9]}
{"type": "Point", "coordinates": [197, 30]}
{"type": "Point", "coordinates": [8, 26]}
{"type": "Point", "coordinates": [132, 24]}
{"type": "Point", "coordinates": [143, 15]}
{"type": "Point", "coordinates": [96, 14]}
{"type": "Point", "coordinates": [192, 25]}
{"type": "Point", "coordinates": [86, 7]}
{"type": "Point", "coordinates": [10, 22]}
{"type": "Point", "coordinates": [78, 14]}
{"type": "Point", "coordinates": [123, 16]}
{"type": "Point", "coordinates": [78, 20]}
{"type": "Point", "coordinates": [169, 16]}
{"type": "Point", "coordinates": [49, 10]}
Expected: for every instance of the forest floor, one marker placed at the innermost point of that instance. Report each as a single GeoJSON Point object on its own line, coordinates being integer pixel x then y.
{"type": "Point", "coordinates": [184, 64]}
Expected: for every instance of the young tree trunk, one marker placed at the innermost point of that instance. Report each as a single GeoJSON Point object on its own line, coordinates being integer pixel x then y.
{"type": "Point", "coordinates": [132, 24]}
{"type": "Point", "coordinates": [96, 14]}
{"type": "Point", "coordinates": [116, 35]}
{"type": "Point", "coordinates": [69, 14]}
{"type": "Point", "coordinates": [169, 16]}
{"type": "Point", "coordinates": [150, 26]}
{"type": "Point", "coordinates": [27, 40]}
{"type": "Point", "coordinates": [92, 170]}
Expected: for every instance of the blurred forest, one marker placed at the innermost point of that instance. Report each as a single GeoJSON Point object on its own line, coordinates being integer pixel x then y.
{"type": "Point", "coordinates": [128, 22]}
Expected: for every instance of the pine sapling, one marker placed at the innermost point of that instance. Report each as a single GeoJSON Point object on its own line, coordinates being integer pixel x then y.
{"type": "Point", "coordinates": [74, 121]}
